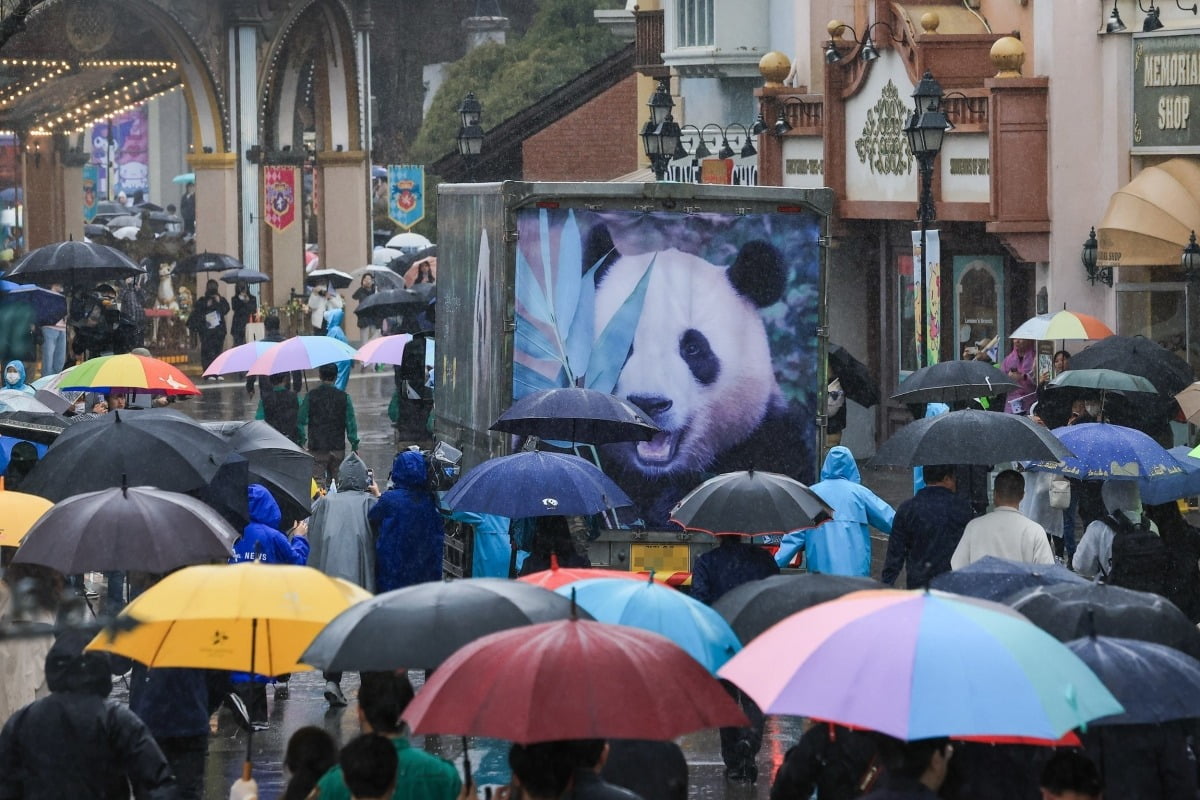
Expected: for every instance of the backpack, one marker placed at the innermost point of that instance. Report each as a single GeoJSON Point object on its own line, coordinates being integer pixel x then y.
{"type": "Point", "coordinates": [1139, 557]}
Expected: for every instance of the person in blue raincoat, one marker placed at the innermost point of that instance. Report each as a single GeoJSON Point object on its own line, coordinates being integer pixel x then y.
{"type": "Point", "coordinates": [14, 377]}
{"type": "Point", "coordinates": [493, 545]}
{"type": "Point", "coordinates": [333, 329]}
{"type": "Point", "coordinates": [411, 535]}
{"type": "Point", "coordinates": [841, 546]}
{"type": "Point", "coordinates": [262, 540]}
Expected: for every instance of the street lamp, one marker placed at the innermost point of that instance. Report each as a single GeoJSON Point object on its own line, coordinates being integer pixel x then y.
{"type": "Point", "coordinates": [470, 132]}
{"type": "Point", "coordinates": [1190, 259]}
{"type": "Point", "coordinates": [925, 130]}
{"type": "Point", "coordinates": [660, 134]}
{"type": "Point", "coordinates": [1091, 250]}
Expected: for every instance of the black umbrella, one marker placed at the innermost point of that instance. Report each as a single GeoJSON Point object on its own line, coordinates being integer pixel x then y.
{"type": "Point", "coordinates": [227, 492]}
{"type": "Point", "coordinates": [576, 415]}
{"type": "Point", "coordinates": [420, 626]}
{"type": "Point", "coordinates": [750, 503]}
{"type": "Point", "coordinates": [73, 264]}
{"type": "Point", "coordinates": [155, 447]}
{"type": "Point", "coordinates": [857, 381]}
{"type": "Point", "coordinates": [94, 231]}
{"type": "Point", "coordinates": [970, 437]}
{"type": "Point", "coordinates": [992, 578]}
{"type": "Point", "coordinates": [36, 427]}
{"type": "Point", "coordinates": [1137, 355]}
{"type": "Point", "coordinates": [208, 262]}
{"type": "Point", "coordinates": [390, 303]}
{"type": "Point", "coordinates": [402, 263]}
{"type": "Point", "coordinates": [244, 274]}
{"type": "Point", "coordinates": [133, 528]}
{"type": "Point", "coordinates": [953, 381]}
{"type": "Point", "coordinates": [335, 277]}
{"type": "Point", "coordinates": [755, 606]}
{"type": "Point", "coordinates": [275, 461]}
{"type": "Point", "coordinates": [1069, 611]}
{"type": "Point", "coordinates": [1153, 682]}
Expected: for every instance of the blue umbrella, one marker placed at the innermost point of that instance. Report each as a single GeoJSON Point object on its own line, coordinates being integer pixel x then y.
{"type": "Point", "coordinates": [48, 306]}
{"type": "Point", "coordinates": [186, 177]}
{"type": "Point", "coordinates": [536, 484]}
{"type": "Point", "coordinates": [992, 578]}
{"type": "Point", "coordinates": [379, 172]}
{"type": "Point", "coordinates": [12, 194]}
{"type": "Point", "coordinates": [1154, 683]}
{"type": "Point", "coordinates": [648, 605]}
{"type": "Point", "coordinates": [1103, 451]}
{"type": "Point", "coordinates": [1172, 487]}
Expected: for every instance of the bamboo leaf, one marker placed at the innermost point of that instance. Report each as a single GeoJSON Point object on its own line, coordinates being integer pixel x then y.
{"type": "Point", "coordinates": [611, 349]}
{"type": "Point", "coordinates": [567, 277]}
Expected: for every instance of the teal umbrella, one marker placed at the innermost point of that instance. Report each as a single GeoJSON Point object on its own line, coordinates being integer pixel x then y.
{"type": "Point", "coordinates": [187, 177]}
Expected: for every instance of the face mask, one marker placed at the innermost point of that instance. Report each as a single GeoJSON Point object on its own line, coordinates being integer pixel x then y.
{"type": "Point", "coordinates": [12, 377]}
{"type": "Point", "coordinates": [1093, 409]}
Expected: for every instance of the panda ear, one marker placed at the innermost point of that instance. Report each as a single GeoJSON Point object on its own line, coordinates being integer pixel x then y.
{"type": "Point", "coordinates": [758, 273]}
{"type": "Point", "coordinates": [599, 245]}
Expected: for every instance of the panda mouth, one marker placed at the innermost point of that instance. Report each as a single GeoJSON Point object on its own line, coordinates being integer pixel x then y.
{"type": "Point", "coordinates": [660, 449]}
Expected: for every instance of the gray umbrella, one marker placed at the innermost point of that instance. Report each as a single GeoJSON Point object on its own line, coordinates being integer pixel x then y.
{"type": "Point", "coordinates": [952, 381]}
{"type": "Point", "coordinates": [970, 437]}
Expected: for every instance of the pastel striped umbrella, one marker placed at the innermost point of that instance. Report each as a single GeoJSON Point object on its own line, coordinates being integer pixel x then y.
{"type": "Point", "coordinates": [921, 664]}
{"type": "Point", "coordinates": [1062, 325]}
{"type": "Point", "coordinates": [238, 359]}
{"type": "Point", "coordinates": [126, 371]}
{"type": "Point", "coordinates": [301, 352]}
{"type": "Point", "coordinates": [384, 350]}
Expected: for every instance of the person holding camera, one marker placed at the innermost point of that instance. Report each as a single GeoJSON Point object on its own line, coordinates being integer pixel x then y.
{"type": "Point", "coordinates": [323, 298]}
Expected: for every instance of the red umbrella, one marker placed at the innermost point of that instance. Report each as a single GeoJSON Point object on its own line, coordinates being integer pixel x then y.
{"type": "Point", "coordinates": [558, 576]}
{"type": "Point", "coordinates": [571, 679]}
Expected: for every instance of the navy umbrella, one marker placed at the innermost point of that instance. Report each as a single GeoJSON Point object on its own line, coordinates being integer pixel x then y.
{"type": "Point", "coordinates": [992, 578]}
{"type": "Point", "coordinates": [1154, 683]}
{"type": "Point", "coordinates": [1103, 451]}
{"type": "Point", "coordinates": [536, 484]}
{"type": "Point", "coordinates": [576, 415]}
{"type": "Point", "coordinates": [1173, 486]}
{"type": "Point", "coordinates": [48, 307]}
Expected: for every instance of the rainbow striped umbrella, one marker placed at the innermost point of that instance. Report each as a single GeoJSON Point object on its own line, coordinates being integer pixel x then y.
{"type": "Point", "coordinates": [301, 352]}
{"type": "Point", "coordinates": [1062, 325]}
{"type": "Point", "coordinates": [920, 664]}
{"type": "Point", "coordinates": [384, 350]}
{"type": "Point", "coordinates": [238, 359]}
{"type": "Point", "coordinates": [126, 371]}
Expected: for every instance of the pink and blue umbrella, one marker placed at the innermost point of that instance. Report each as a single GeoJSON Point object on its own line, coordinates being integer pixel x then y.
{"type": "Point", "coordinates": [921, 664]}
{"type": "Point", "coordinates": [238, 359]}
{"type": "Point", "coordinates": [301, 352]}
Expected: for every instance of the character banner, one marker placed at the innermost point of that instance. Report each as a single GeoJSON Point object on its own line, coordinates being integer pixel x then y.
{"type": "Point", "coordinates": [932, 294]}
{"type": "Point", "coordinates": [406, 194]}
{"type": "Point", "coordinates": [279, 184]}
{"type": "Point", "coordinates": [91, 180]}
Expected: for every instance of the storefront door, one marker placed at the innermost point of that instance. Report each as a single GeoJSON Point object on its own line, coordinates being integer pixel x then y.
{"type": "Point", "coordinates": [979, 306]}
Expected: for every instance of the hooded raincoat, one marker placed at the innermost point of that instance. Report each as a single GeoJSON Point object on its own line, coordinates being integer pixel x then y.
{"type": "Point", "coordinates": [261, 540]}
{"type": "Point", "coordinates": [333, 322]}
{"type": "Point", "coordinates": [411, 536]}
{"type": "Point", "coordinates": [20, 385]}
{"type": "Point", "coordinates": [841, 546]}
{"type": "Point", "coordinates": [340, 537]}
{"type": "Point", "coordinates": [1093, 556]}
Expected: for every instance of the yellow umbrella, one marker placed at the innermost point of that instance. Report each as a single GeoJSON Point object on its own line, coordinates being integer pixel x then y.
{"type": "Point", "coordinates": [18, 512]}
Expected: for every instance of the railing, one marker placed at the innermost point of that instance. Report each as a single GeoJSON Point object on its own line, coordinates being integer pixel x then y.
{"type": "Point", "coordinates": [805, 113]}
{"type": "Point", "coordinates": [649, 44]}
{"type": "Point", "coordinates": [967, 112]}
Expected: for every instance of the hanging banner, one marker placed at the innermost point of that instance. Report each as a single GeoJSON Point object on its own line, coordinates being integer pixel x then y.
{"type": "Point", "coordinates": [279, 184]}
{"type": "Point", "coordinates": [406, 194]}
{"type": "Point", "coordinates": [91, 180]}
{"type": "Point", "coordinates": [927, 294]}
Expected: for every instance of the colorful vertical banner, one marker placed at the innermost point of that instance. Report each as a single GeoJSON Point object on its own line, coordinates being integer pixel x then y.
{"type": "Point", "coordinates": [121, 152]}
{"type": "Point", "coordinates": [927, 294]}
{"type": "Point", "coordinates": [91, 183]}
{"type": "Point", "coordinates": [279, 185]}
{"type": "Point", "coordinates": [406, 194]}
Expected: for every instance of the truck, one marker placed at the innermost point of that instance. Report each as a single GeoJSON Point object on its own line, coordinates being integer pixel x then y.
{"type": "Point", "coordinates": [704, 305]}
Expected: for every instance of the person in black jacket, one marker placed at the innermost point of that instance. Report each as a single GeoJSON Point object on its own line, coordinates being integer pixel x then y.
{"type": "Point", "coordinates": [1182, 542]}
{"type": "Point", "coordinates": [280, 407]}
{"type": "Point", "coordinates": [245, 306]}
{"type": "Point", "coordinates": [836, 762]}
{"type": "Point", "coordinates": [927, 529]}
{"type": "Point", "coordinates": [76, 742]}
{"type": "Point", "coordinates": [326, 421]}
{"type": "Point", "coordinates": [207, 321]}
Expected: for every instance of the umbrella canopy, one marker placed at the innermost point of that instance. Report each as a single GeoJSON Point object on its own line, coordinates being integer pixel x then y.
{"type": "Point", "coordinates": [382, 256]}
{"type": "Point", "coordinates": [335, 277]}
{"type": "Point", "coordinates": [186, 177]}
{"type": "Point", "coordinates": [1189, 402]}
{"type": "Point", "coordinates": [920, 664]}
{"type": "Point", "coordinates": [385, 278]}
{"type": "Point", "coordinates": [1172, 487]}
{"type": "Point", "coordinates": [420, 626]}
{"type": "Point", "coordinates": [35, 426]}
{"type": "Point", "coordinates": [1069, 611]}
{"type": "Point", "coordinates": [275, 461]}
{"type": "Point", "coordinates": [18, 513]}
{"type": "Point", "coordinates": [301, 352]}
{"type": "Point", "coordinates": [753, 607]}
{"type": "Point", "coordinates": [994, 579]}
{"type": "Point", "coordinates": [384, 349]}
{"type": "Point", "coordinates": [644, 604]}
{"type": "Point", "coordinates": [126, 233]}
{"type": "Point", "coordinates": [535, 484]}
{"type": "Point", "coordinates": [970, 436]}
{"type": "Point", "coordinates": [133, 528]}
{"type": "Point", "coordinates": [390, 303]}
{"type": "Point", "coordinates": [238, 359]}
{"type": "Point", "coordinates": [1062, 325]}
{"type": "Point", "coordinates": [562, 680]}
{"type": "Point", "coordinates": [48, 307]}
{"type": "Point", "coordinates": [1137, 355]}
{"type": "Point", "coordinates": [749, 503]}
{"type": "Point", "coordinates": [245, 275]}
{"type": "Point", "coordinates": [1104, 379]}
{"type": "Point", "coordinates": [576, 415]}
{"type": "Point", "coordinates": [208, 262]}
{"type": "Point", "coordinates": [1103, 451]}
{"type": "Point", "coordinates": [16, 400]}
{"type": "Point", "coordinates": [1154, 683]}
{"type": "Point", "coordinates": [557, 576]}
{"type": "Point", "coordinates": [73, 264]}
{"type": "Point", "coordinates": [127, 371]}
{"type": "Point", "coordinates": [951, 381]}
{"type": "Point", "coordinates": [155, 447]}
{"type": "Point", "coordinates": [408, 242]}
{"type": "Point", "coordinates": [124, 221]}
{"type": "Point", "coordinates": [857, 381]}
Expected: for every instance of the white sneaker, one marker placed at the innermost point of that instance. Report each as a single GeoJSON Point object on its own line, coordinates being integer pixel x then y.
{"type": "Point", "coordinates": [333, 693]}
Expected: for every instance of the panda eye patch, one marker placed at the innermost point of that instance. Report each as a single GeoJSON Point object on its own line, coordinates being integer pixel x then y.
{"type": "Point", "coordinates": [698, 355]}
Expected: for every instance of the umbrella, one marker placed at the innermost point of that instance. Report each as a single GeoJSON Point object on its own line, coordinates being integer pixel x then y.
{"type": "Point", "coordinates": [1154, 683]}
{"type": "Point", "coordinates": [653, 607]}
{"type": "Point", "coordinates": [749, 503]}
{"type": "Point", "coordinates": [244, 274]}
{"type": "Point", "coordinates": [187, 177]}
{"type": "Point", "coordinates": [127, 233]}
{"type": "Point", "coordinates": [132, 528]}
{"type": "Point", "coordinates": [58, 402]}
{"type": "Point", "coordinates": [1168, 488]}
{"type": "Point", "coordinates": [857, 381]}
{"type": "Point", "coordinates": [970, 437]}
{"type": "Point", "coordinates": [994, 579]}
{"type": "Point", "coordinates": [155, 447]}
{"type": "Point", "coordinates": [1062, 325]}
{"type": "Point", "coordinates": [920, 664]}
{"type": "Point", "coordinates": [408, 242]}
{"type": "Point", "coordinates": [1103, 451]}
{"type": "Point", "coordinates": [94, 231]}
{"type": "Point", "coordinates": [385, 278]}
{"type": "Point", "coordinates": [127, 371]}
{"type": "Point", "coordinates": [535, 484]}
{"type": "Point", "coordinates": [12, 194]}
{"type": "Point", "coordinates": [576, 415]}
{"type": "Point", "coordinates": [238, 359]}
{"type": "Point", "coordinates": [208, 262]}
{"type": "Point", "coordinates": [391, 303]}
{"type": "Point", "coordinates": [419, 627]}
{"type": "Point", "coordinates": [48, 307]}
{"type": "Point", "coordinates": [17, 400]}
{"type": "Point", "coordinates": [1104, 379]}
{"type": "Point", "coordinates": [335, 277]}
{"type": "Point", "coordinates": [275, 461]}
{"type": "Point", "coordinates": [424, 258]}
{"type": "Point", "coordinates": [124, 221]}
{"type": "Point", "coordinates": [951, 381]}
{"type": "Point", "coordinates": [382, 256]}
{"type": "Point", "coordinates": [301, 352]}
{"type": "Point", "coordinates": [378, 171]}
{"type": "Point", "coordinates": [754, 607]}
{"type": "Point", "coordinates": [573, 679]}
{"type": "Point", "coordinates": [1189, 402]}
{"type": "Point", "coordinates": [557, 576]}
{"type": "Point", "coordinates": [36, 426]}
{"type": "Point", "coordinates": [73, 264]}
{"type": "Point", "coordinates": [384, 349]}
{"type": "Point", "coordinates": [1137, 355]}
{"type": "Point", "coordinates": [1069, 611]}
{"type": "Point", "coordinates": [18, 513]}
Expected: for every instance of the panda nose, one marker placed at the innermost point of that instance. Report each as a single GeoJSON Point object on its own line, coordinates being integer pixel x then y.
{"type": "Point", "coordinates": [654, 405]}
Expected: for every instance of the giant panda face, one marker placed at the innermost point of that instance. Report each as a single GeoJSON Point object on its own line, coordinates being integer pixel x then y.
{"type": "Point", "coordinates": [700, 365]}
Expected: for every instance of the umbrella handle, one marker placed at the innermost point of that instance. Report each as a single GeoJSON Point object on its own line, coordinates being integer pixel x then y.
{"type": "Point", "coordinates": [245, 770]}
{"type": "Point", "coordinates": [466, 764]}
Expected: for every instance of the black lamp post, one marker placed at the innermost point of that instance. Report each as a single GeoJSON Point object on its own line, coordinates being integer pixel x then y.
{"type": "Point", "coordinates": [1091, 250]}
{"type": "Point", "coordinates": [1190, 259]}
{"type": "Point", "coordinates": [925, 130]}
{"type": "Point", "coordinates": [470, 132]}
{"type": "Point", "coordinates": [660, 134]}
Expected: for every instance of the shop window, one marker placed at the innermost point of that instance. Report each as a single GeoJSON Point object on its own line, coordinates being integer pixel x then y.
{"type": "Point", "coordinates": [1164, 312]}
{"type": "Point", "coordinates": [979, 306]}
{"type": "Point", "coordinates": [695, 23]}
